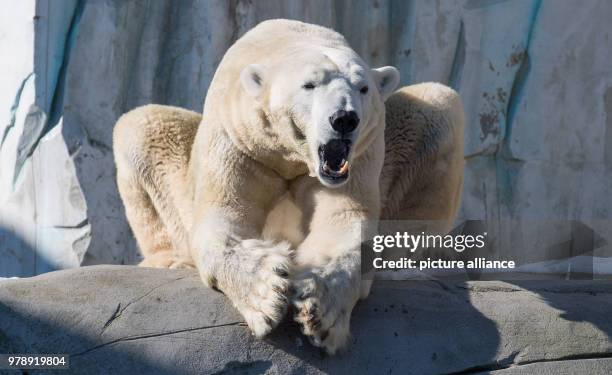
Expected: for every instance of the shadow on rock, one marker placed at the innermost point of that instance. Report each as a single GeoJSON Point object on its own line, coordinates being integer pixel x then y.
{"type": "Point", "coordinates": [418, 327]}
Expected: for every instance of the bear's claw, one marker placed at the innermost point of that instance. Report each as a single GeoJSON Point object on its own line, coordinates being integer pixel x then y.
{"type": "Point", "coordinates": [261, 296]}
{"type": "Point", "coordinates": [320, 311]}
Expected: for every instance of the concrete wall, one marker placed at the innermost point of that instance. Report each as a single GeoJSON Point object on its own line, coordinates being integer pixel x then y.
{"type": "Point", "coordinates": [535, 78]}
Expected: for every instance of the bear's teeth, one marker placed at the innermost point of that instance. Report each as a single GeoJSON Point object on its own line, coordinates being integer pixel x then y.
{"type": "Point", "coordinates": [337, 173]}
{"type": "Point", "coordinates": [344, 168]}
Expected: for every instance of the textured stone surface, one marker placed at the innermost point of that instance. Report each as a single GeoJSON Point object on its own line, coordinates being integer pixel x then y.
{"type": "Point", "coordinates": [535, 77]}
{"type": "Point", "coordinates": [114, 319]}
{"type": "Point", "coordinates": [43, 216]}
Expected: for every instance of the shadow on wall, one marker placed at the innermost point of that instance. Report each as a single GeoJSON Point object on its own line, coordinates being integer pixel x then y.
{"type": "Point", "coordinates": [17, 257]}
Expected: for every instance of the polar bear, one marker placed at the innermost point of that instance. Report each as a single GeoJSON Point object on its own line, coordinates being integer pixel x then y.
{"type": "Point", "coordinates": [269, 192]}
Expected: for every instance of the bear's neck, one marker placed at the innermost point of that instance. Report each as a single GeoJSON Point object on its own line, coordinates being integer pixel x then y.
{"type": "Point", "coordinates": [260, 137]}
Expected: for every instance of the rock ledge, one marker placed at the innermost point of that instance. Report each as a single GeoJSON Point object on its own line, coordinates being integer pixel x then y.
{"type": "Point", "coordinates": [115, 319]}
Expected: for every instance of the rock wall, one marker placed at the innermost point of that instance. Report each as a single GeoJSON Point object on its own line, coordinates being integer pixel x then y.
{"type": "Point", "coordinates": [535, 77]}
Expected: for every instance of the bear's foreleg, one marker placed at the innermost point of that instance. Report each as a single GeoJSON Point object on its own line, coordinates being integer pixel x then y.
{"type": "Point", "coordinates": [328, 280]}
{"type": "Point", "coordinates": [233, 196]}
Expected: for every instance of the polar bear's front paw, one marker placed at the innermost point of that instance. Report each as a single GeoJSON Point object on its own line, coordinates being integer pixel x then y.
{"type": "Point", "coordinates": [323, 305]}
{"type": "Point", "coordinates": [262, 285]}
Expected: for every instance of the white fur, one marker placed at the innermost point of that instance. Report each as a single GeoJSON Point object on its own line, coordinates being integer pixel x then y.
{"type": "Point", "coordinates": [293, 78]}
{"type": "Point", "coordinates": [226, 196]}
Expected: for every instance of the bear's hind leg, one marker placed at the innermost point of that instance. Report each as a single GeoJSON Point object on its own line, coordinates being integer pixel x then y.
{"type": "Point", "coordinates": [422, 175]}
{"type": "Point", "coordinates": [151, 146]}
{"type": "Point", "coordinates": [150, 232]}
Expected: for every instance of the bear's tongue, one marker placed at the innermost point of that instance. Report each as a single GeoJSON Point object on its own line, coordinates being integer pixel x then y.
{"type": "Point", "coordinates": [334, 155]}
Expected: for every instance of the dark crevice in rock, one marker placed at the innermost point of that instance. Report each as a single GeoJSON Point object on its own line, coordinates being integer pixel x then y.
{"type": "Point", "coordinates": [534, 289]}
{"type": "Point", "coordinates": [81, 224]}
{"type": "Point", "coordinates": [152, 335]}
{"type": "Point", "coordinates": [507, 164]}
{"type": "Point", "coordinates": [14, 108]}
{"type": "Point", "coordinates": [120, 310]}
{"type": "Point", "coordinates": [57, 100]}
{"type": "Point", "coordinates": [519, 82]}
{"type": "Point", "coordinates": [454, 80]}
{"type": "Point", "coordinates": [503, 365]}
{"type": "Point", "coordinates": [112, 318]}
{"type": "Point", "coordinates": [33, 127]}
{"type": "Point", "coordinates": [93, 142]}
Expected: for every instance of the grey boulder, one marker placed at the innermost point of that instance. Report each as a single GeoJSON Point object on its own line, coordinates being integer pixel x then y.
{"type": "Point", "coordinates": [119, 319]}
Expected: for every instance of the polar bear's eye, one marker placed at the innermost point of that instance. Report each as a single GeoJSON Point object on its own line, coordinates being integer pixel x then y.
{"type": "Point", "coordinates": [308, 86]}
{"type": "Point", "coordinates": [364, 90]}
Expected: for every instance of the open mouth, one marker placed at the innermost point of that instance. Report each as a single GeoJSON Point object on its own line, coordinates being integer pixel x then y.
{"type": "Point", "coordinates": [333, 156]}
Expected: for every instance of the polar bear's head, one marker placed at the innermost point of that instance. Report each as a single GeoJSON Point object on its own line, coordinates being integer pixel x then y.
{"type": "Point", "coordinates": [329, 100]}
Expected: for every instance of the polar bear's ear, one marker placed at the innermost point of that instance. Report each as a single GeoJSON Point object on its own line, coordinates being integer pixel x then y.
{"type": "Point", "coordinates": [387, 78]}
{"type": "Point", "coordinates": [252, 79]}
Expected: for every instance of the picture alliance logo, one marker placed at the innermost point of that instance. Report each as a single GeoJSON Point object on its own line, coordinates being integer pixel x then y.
{"type": "Point", "coordinates": [413, 242]}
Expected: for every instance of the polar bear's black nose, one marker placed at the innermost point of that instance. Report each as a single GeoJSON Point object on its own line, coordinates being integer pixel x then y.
{"type": "Point", "coordinates": [344, 121]}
